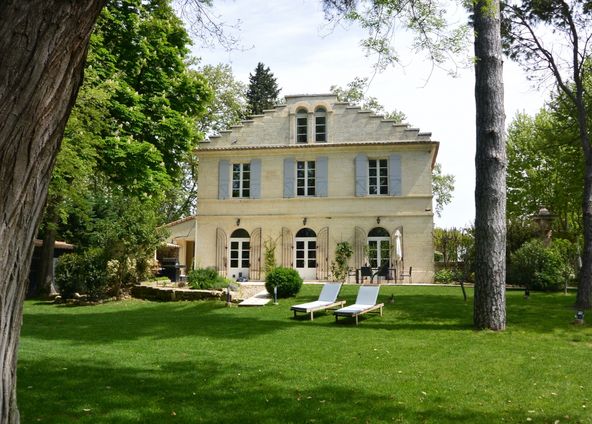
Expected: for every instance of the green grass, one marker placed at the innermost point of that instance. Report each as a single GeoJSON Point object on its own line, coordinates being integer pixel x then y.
{"type": "Point", "coordinates": [421, 362]}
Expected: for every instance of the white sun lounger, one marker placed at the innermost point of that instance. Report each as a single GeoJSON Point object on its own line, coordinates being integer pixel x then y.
{"type": "Point", "coordinates": [327, 300]}
{"type": "Point", "coordinates": [365, 303]}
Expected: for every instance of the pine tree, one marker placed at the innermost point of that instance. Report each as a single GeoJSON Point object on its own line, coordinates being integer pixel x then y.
{"type": "Point", "coordinates": [263, 90]}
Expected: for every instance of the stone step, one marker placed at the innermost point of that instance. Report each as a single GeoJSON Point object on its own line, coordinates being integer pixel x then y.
{"type": "Point", "coordinates": [260, 299]}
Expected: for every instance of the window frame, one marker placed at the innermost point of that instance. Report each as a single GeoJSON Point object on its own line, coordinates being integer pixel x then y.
{"type": "Point", "coordinates": [320, 113]}
{"type": "Point", "coordinates": [243, 192]}
{"type": "Point", "coordinates": [381, 170]}
{"type": "Point", "coordinates": [301, 128]}
{"type": "Point", "coordinates": [304, 180]}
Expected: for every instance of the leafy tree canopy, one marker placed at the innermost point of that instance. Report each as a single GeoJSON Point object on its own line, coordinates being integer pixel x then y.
{"type": "Point", "coordinates": [263, 90]}
{"type": "Point", "coordinates": [355, 93]}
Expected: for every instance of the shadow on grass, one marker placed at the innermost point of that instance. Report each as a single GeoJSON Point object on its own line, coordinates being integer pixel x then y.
{"type": "Point", "coordinates": [208, 391]}
{"type": "Point", "coordinates": [106, 323]}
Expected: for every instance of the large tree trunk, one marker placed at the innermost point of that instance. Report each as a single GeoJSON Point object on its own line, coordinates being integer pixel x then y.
{"type": "Point", "coordinates": [490, 162]}
{"type": "Point", "coordinates": [584, 295]}
{"type": "Point", "coordinates": [43, 44]}
{"type": "Point", "coordinates": [48, 249]}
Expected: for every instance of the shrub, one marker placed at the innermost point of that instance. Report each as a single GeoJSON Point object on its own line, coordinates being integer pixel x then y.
{"type": "Point", "coordinates": [83, 272]}
{"type": "Point", "coordinates": [539, 267]}
{"type": "Point", "coordinates": [448, 275]}
{"type": "Point", "coordinates": [287, 281]}
{"type": "Point", "coordinates": [269, 255]}
{"type": "Point", "coordinates": [444, 276]}
{"type": "Point", "coordinates": [206, 278]}
{"type": "Point", "coordinates": [339, 267]}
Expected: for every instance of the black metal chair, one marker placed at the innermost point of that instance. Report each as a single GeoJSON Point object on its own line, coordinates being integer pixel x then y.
{"type": "Point", "coordinates": [403, 275]}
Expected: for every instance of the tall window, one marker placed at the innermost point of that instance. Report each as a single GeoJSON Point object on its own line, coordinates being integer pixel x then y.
{"type": "Point", "coordinates": [302, 126]}
{"type": "Point", "coordinates": [241, 180]}
{"type": "Point", "coordinates": [378, 176]}
{"type": "Point", "coordinates": [379, 247]}
{"type": "Point", "coordinates": [320, 125]}
{"type": "Point", "coordinates": [305, 178]}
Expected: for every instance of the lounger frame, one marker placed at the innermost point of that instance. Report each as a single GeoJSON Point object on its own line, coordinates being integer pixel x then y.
{"type": "Point", "coordinates": [375, 309]}
{"type": "Point", "coordinates": [312, 310]}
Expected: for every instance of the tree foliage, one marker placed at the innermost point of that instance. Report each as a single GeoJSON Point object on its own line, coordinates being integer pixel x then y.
{"type": "Point", "coordinates": [442, 188]}
{"type": "Point", "coordinates": [551, 40]}
{"type": "Point", "coordinates": [443, 44]}
{"type": "Point", "coordinates": [229, 104]}
{"type": "Point", "coordinates": [545, 168]}
{"type": "Point", "coordinates": [355, 93]}
{"type": "Point", "coordinates": [130, 136]}
{"type": "Point", "coordinates": [263, 90]}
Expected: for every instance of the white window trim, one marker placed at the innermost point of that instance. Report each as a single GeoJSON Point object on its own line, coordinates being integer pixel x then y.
{"type": "Point", "coordinates": [306, 179]}
{"type": "Point", "coordinates": [241, 189]}
{"type": "Point", "coordinates": [377, 177]}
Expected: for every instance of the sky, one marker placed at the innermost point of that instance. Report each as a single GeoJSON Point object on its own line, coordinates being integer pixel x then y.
{"type": "Point", "coordinates": [307, 56]}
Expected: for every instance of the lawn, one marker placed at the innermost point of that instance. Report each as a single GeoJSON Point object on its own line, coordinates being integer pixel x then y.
{"type": "Point", "coordinates": [137, 361]}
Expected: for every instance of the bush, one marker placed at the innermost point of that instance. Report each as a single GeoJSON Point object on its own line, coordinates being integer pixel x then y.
{"type": "Point", "coordinates": [206, 278]}
{"type": "Point", "coordinates": [83, 272]}
{"type": "Point", "coordinates": [539, 267]}
{"type": "Point", "coordinates": [448, 275]}
{"type": "Point", "coordinates": [444, 276]}
{"type": "Point", "coordinates": [287, 281]}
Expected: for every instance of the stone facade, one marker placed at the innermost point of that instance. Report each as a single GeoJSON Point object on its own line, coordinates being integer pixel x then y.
{"type": "Point", "coordinates": [306, 175]}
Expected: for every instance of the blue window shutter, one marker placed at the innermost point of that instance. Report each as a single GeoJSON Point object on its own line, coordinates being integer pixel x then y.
{"type": "Point", "coordinates": [361, 165]}
{"type": "Point", "coordinates": [255, 178]}
{"type": "Point", "coordinates": [322, 176]}
{"type": "Point", "coordinates": [395, 175]}
{"type": "Point", "coordinates": [289, 176]}
{"type": "Point", "coordinates": [223, 179]}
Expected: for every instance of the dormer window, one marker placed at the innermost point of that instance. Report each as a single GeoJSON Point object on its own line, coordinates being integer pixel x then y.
{"type": "Point", "coordinates": [301, 126]}
{"type": "Point", "coordinates": [320, 125]}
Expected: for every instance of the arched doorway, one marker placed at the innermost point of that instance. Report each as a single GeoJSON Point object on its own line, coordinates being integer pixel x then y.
{"type": "Point", "coordinates": [306, 254]}
{"type": "Point", "coordinates": [379, 247]}
{"type": "Point", "coordinates": [240, 246]}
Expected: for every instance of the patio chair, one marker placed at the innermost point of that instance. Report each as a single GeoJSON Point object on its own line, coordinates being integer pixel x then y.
{"type": "Point", "coordinates": [327, 300]}
{"type": "Point", "coordinates": [403, 275]}
{"type": "Point", "coordinates": [365, 303]}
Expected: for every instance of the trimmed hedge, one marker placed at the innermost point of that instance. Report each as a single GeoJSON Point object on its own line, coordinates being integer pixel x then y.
{"type": "Point", "coordinates": [287, 281]}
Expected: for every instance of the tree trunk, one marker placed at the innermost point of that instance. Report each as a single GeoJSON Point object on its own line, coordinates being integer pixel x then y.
{"type": "Point", "coordinates": [585, 288]}
{"type": "Point", "coordinates": [43, 44]}
{"type": "Point", "coordinates": [47, 250]}
{"type": "Point", "coordinates": [489, 310]}
{"type": "Point", "coordinates": [583, 297]}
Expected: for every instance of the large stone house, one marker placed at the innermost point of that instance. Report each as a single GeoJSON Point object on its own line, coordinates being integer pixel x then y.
{"type": "Point", "coordinates": [304, 176]}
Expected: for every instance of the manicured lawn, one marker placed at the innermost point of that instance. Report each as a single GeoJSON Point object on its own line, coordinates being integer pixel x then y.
{"type": "Point", "coordinates": [421, 362]}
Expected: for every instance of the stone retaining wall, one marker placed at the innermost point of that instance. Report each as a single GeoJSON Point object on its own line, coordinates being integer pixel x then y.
{"type": "Point", "coordinates": [168, 294]}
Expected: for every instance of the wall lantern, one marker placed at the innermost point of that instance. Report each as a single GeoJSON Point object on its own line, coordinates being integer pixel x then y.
{"type": "Point", "coordinates": [304, 221]}
{"type": "Point", "coordinates": [237, 222]}
{"type": "Point", "coordinates": [378, 220]}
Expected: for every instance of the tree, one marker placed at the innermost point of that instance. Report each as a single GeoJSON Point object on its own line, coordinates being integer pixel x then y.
{"type": "Point", "coordinates": [263, 91]}
{"type": "Point", "coordinates": [43, 45]}
{"type": "Point", "coordinates": [134, 122]}
{"type": "Point", "coordinates": [527, 25]}
{"type": "Point", "coordinates": [433, 35]}
{"type": "Point", "coordinates": [489, 306]}
{"type": "Point", "coordinates": [42, 49]}
{"type": "Point", "coordinates": [229, 104]}
{"type": "Point", "coordinates": [545, 166]}
{"type": "Point", "coordinates": [355, 93]}
{"type": "Point", "coordinates": [442, 188]}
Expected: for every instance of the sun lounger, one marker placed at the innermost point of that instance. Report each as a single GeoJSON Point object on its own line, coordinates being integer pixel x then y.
{"type": "Point", "coordinates": [365, 303]}
{"type": "Point", "coordinates": [327, 300]}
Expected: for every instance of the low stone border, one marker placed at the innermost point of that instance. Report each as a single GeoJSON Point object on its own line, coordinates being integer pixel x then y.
{"type": "Point", "coordinates": [168, 294]}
